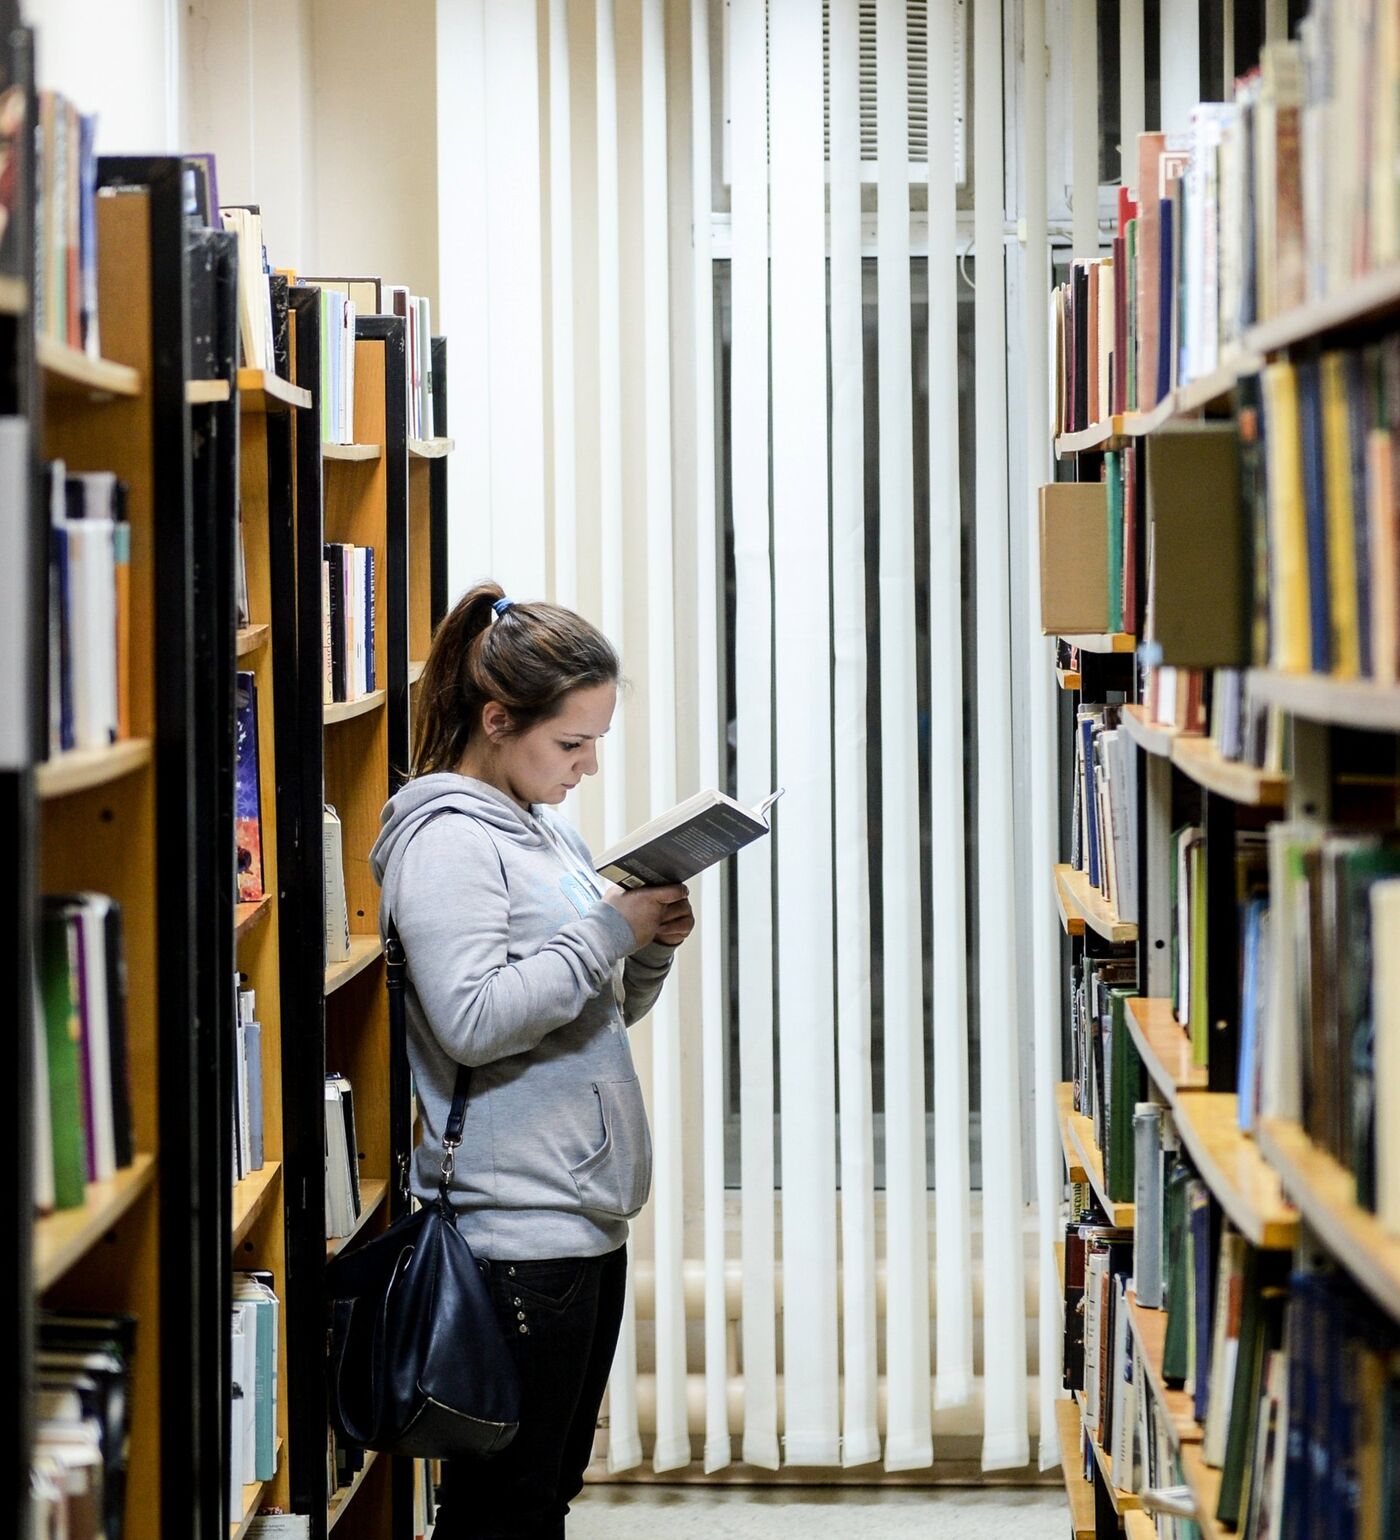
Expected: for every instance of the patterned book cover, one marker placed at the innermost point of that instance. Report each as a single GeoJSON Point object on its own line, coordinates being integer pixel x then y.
{"type": "Point", "coordinates": [247, 807]}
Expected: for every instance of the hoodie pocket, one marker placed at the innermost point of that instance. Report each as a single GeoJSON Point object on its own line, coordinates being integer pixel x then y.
{"type": "Point", "coordinates": [616, 1177]}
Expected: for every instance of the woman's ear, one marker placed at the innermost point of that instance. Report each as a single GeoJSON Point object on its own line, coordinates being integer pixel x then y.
{"type": "Point", "coordinates": [495, 720]}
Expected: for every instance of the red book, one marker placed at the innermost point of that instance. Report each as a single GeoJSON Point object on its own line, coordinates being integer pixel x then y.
{"type": "Point", "coordinates": [1119, 401]}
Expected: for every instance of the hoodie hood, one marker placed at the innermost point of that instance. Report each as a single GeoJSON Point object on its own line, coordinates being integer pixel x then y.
{"type": "Point", "coordinates": [446, 792]}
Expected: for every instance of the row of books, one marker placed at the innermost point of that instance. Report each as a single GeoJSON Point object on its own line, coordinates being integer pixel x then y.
{"type": "Point", "coordinates": [1294, 1380]}
{"type": "Point", "coordinates": [1284, 195]}
{"type": "Point", "coordinates": [1327, 574]}
{"type": "Point", "coordinates": [89, 627]}
{"type": "Point", "coordinates": [82, 1422]}
{"type": "Point", "coordinates": [342, 1159]}
{"type": "Point", "coordinates": [1107, 1069]}
{"type": "Point", "coordinates": [257, 323]}
{"type": "Point", "coordinates": [1103, 841]}
{"type": "Point", "coordinates": [347, 622]}
{"type": "Point", "coordinates": [82, 1103]}
{"type": "Point", "coordinates": [255, 1384]}
{"type": "Point", "coordinates": [248, 1128]}
{"type": "Point", "coordinates": [65, 259]}
{"type": "Point", "coordinates": [337, 913]}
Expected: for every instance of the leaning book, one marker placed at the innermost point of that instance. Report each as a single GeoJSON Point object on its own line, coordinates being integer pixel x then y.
{"type": "Point", "coordinates": [692, 836]}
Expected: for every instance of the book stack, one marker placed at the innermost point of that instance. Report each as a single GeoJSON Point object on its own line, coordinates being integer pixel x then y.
{"type": "Point", "coordinates": [1107, 1068]}
{"type": "Point", "coordinates": [248, 1085]}
{"type": "Point", "coordinates": [1098, 1265]}
{"type": "Point", "coordinates": [1325, 515]}
{"type": "Point", "coordinates": [89, 609]}
{"type": "Point", "coordinates": [342, 1159]}
{"type": "Point", "coordinates": [256, 325]}
{"type": "Point", "coordinates": [77, 1474]}
{"type": "Point", "coordinates": [417, 317]}
{"type": "Point", "coordinates": [82, 1126]}
{"type": "Point", "coordinates": [347, 622]}
{"type": "Point", "coordinates": [1323, 1053]}
{"type": "Point", "coordinates": [337, 367]}
{"type": "Point", "coordinates": [247, 789]}
{"type": "Point", "coordinates": [1105, 797]}
{"type": "Point", "coordinates": [65, 266]}
{"type": "Point", "coordinates": [253, 1331]}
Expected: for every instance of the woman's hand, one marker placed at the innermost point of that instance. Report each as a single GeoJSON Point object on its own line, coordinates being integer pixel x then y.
{"type": "Point", "coordinates": [655, 914]}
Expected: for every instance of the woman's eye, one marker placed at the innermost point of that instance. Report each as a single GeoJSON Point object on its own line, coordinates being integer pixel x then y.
{"type": "Point", "coordinates": [569, 748]}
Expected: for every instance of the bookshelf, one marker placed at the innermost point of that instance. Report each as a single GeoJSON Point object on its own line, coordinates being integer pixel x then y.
{"type": "Point", "coordinates": [1085, 904]}
{"type": "Point", "coordinates": [1200, 760]}
{"type": "Point", "coordinates": [1164, 1048]}
{"type": "Point", "coordinates": [1079, 1492]}
{"type": "Point", "coordinates": [1064, 1109]}
{"type": "Point", "coordinates": [1325, 699]}
{"type": "Point", "coordinates": [1151, 737]}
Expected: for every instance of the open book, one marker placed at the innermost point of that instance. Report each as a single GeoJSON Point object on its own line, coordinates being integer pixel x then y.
{"type": "Point", "coordinates": [693, 835]}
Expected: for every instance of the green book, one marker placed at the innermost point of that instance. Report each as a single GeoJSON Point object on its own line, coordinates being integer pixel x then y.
{"type": "Point", "coordinates": [63, 1035]}
{"type": "Point", "coordinates": [1113, 476]}
{"type": "Point", "coordinates": [1198, 1014]}
{"type": "Point", "coordinates": [1261, 1315]}
{"type": "Point", "coordinates": [1125, 1091]}
{"type": "Point", "coordinates": [1176, 1348]}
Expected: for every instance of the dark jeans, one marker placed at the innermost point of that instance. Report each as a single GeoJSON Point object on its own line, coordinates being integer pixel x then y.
{"type": "Point", "coordinates": [561, 1319]}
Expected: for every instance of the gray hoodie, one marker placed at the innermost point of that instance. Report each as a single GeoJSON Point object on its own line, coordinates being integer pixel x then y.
{"type": "Point", "coordinates": [514, 967]}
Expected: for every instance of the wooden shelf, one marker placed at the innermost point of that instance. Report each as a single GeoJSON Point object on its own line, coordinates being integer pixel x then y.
{"type": "Point", "coordinates": [1179, 1409]}
{"type": "Point", "coordinates": [1205, 1488]}
{"type": "Point", "coordinates": [415, 670]}
{"type": "Point", "coordinates": [1078, 1491]}
{"type": "Point", "coordinates": [1165, 1048]}
{"type": "Point", "coordinates": [431, 448]}
{"type": "Point", "coordinates": [1091, 907]}
{"type": "Point", "coordinates": [259, 390]}
{"type": "Point", "coordinates": [1081, 1138]}
{"type": "Point", "coordinates": [207, 392]}
{"type": "Point", "coordinates": [1102, 641]}
{"type": "Point", "coordinates": [252, 638]}
{"type": "Point", "coordinates": [1321, 698]}
{"type": "Point", "coordinates": [354, 452]}
{"type": "Point", "coordinates": [1200, 759]}
{"type": "Point", "coordinates": [1375, 295]}
{"type": "Point", "coordinates": [67, 1235]}
{"type": "Point", "coordinates": [348, 710]}
{"type": "Point", "coordinates": [14, 296]}
{"type": "Point", "coordinates": [1325, 1194]}
{"type": "Point", "coordinates": [251, 1196]}
{"type": "Point", "coordinates": [1139, 1525]}
{"type": "Point", "coordinates": [1069, 678]}
{"type": "Point", "coordinates": [1196, 395]}
{"type": "Point", "coordinates": [248, 916]}
{"type": "Point", "coordinates": [1060, 1264]}
{"type": "Point", "coordinates": [70, 371]}
{"type": "Point", "coordinates": [363, 951]}
{"type": "Point", "coordinates": [1064, 1108]}
{"type": "Point", "coordinates": [1070, 916]}
{"type": "Point", "coordinates": [252, 1500]}
{"type": "Point", "coordinates": [1230, 1164]}
{"type": "Point", "coordinates": [372, 1195]}
{"type": "Point", "coordinates": [1109, 434]}
{"type": "Point", "coordinates": [83, 769]}
{"type": "Point", "coordinates": [1123, 1502]}
{"type": "Point", "coordinates": [341, 1501]}
{"type": "Point", "coordinates": [1155, 737]}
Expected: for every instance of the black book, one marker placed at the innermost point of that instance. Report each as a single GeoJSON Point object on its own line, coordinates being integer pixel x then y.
{"type": "Point", "coordinates": [335, 555]}
{"type": "Point", "coordinates": [1079, 299]}
{"type": "Point", "coordinates": [204, 320]}
{"type": "Point", "coordinates": [281, 334]}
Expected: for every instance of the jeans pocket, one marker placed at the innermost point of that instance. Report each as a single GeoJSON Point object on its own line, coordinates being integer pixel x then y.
{"type": "Point", "coordinates": [550, 1285]}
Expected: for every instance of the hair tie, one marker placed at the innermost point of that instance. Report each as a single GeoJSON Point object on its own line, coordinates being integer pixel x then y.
{"type": "Point", "coordinates": [501, 606]}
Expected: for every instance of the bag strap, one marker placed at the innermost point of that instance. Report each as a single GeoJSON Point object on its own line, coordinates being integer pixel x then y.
{"type": "Point", "coordinates": [397, 969]}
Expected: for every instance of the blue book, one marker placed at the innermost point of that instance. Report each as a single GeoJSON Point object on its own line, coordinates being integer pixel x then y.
{"type": "Point", "coordinates": [247, 795]}
{"type": "Point", "coordinates": [1354, 373]}
{"type": "Point", "coordinates": [1251, 987]}
{"type": "Point", "coordinates": [1315, 500]}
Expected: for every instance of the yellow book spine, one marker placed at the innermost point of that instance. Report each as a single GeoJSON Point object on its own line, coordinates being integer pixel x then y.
{"type": "Point", "coordinates": [1341, 520]}
{"type": "Point", "coordinates": [1385, 581]}
{"type": "Point", "coordinates": [1288, 531]}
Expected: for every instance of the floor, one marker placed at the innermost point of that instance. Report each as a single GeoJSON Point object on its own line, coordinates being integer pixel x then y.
{"type": "Point", "coordinates": [816, 1513]}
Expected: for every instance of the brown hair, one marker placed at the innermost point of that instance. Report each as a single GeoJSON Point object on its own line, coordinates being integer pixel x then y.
{"type": "Point", "coordinates": [527, 656]}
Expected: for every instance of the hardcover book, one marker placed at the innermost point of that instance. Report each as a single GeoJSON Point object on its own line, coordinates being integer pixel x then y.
{"type": "Point", "coordinates": [247, 791]}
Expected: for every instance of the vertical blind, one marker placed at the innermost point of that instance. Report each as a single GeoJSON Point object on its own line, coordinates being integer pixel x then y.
{"type": "Point", "coordinates": [808, 1321]}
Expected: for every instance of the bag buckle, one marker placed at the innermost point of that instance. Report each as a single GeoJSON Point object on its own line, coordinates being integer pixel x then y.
{"type": "Point", "coordinates": [449, 1147]}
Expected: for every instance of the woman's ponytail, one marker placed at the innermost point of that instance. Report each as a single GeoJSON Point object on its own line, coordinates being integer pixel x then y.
{"type": "Point", "coordinates": [527, 656]}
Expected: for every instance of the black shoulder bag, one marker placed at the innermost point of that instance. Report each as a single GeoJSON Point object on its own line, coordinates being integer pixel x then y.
{"type": "Point", "coordinates": [418, 1363]}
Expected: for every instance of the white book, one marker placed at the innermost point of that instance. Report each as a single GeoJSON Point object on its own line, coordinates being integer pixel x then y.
{"type": "Point", "coordinates": [1125, 1396]}
{"type": "Point", "coordinates": [90, 912]}
{"type": "Point", "coordinates": [361, 558]}
{"type": "Point", "coordinates": [245, 1151]}
{"type": "Point", "coordinates": [333, 877]}
{"type": "Point", "coordinates": [1280, 1045]}
{"type": "Point", "coordinates": [339, 1217]}
{"type": "Point", "coordinates": [694, 835]}
{"type": "Point", "coordinates": [16, 745]}
{"type": "Point", "coordinates": [241, 1383]}
{"type": "Point", "coordinates": [347, 373]}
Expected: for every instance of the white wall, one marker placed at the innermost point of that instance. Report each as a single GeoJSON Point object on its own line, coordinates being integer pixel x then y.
{"type": "Point", "coordinates": [119, 59]}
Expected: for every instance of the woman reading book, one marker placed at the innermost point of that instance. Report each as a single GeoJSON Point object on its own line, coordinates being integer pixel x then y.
{"type": "Point", "coordinates": [523, 965]}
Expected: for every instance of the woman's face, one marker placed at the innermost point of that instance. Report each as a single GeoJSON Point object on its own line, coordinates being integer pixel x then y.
{"type": "Point", "coordinates": [546, 762]}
